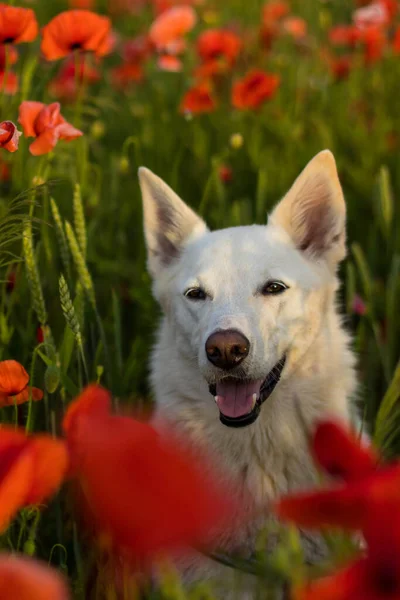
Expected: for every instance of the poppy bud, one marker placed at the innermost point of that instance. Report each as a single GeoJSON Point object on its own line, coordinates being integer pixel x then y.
{"type": "Point", "coordinates": [52, 378]}
{"type": "Point", "coordinates": [236, 141]}
{"type": "Point", "coordinates": [123, 165]}
{"type": "Point", "coordinates": [29, 547]}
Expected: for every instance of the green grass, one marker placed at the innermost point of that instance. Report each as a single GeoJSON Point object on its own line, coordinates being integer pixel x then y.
{"type": "Point", "coordinates": [81, 273]}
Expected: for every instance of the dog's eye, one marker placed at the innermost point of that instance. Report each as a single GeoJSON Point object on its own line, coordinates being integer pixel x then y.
{"type": "Point", "coordinates": [273, 287]}
{"type": "Point", "coordinates": [195, 294]}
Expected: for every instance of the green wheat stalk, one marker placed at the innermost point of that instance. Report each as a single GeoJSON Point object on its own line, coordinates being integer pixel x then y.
{"type": "Point", "coordinates": [61, 239]}
{"type": "Point", "coordinates": [71, 318]}
{"type": "Point", "coordinates": [80, 264]}
{"type": "Point", "coordinates": [79, 220]}
{"type": "Point", "coordinates": [33, 275]}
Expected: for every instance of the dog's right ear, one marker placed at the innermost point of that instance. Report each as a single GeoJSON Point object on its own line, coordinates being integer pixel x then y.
{"type": "Point", "coordinates": [168, 222]}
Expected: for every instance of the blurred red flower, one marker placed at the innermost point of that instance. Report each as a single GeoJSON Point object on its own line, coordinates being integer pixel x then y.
{"type": "Point", "coordinates": [17, 25]}
{"type": "Point", "coordinates": [11, 53]}
{"type": "Point", "coordinates": [126, 74]}
{"type": "Point", "coordinates": [64, 85]}
{"type": "Point", "coordinates": [171, 25]}
{"type": "Point", "coordinates": [369, 489]}
{"type": "Point", "coordinates": [23, 578]}
{"type": "Point", "coordinates": [85, 4]}
{"type": "Point", "coordinates": [254, 89]}
{"type": "Point", "coordinates": [167, 62]}
{"type": "Point", "coordinates": [295, 26]}
{"type": "Point", "coordinates": [198, 99]}
{"type": "Point", "coordinates": [14, 384]}
{"type": "Point", "coordinates": [218, 49]}
{"type": "Point", "coordinates": [345, 35]}
{"type": "Point", "coordinates": [140, 490]}
{"type": "Point", "coordinates": [358, 305]}
{"type": "Point", "coordinates": [76, 30]}
{"type": "Point", "coordinates": [137, 49]}
{"type": "Point", "coordinates": [9, 136]}
{"type": "Point", "coordinates": [274, 11]}
{"type": "Point", "coordinates": [225, 173]}
{"type": "Point", "coordinates": [341, 66]}
{"type": "Point", "coordinates": [45, 123]}
{"type": "Point", "coordinates": [27, 476]}
{"type": "Point", "coordinates": [10, 83]}
{"type": "Point", "coordinates": [369, 501]}
{"type": "Point", "coordinates": [374, 42]}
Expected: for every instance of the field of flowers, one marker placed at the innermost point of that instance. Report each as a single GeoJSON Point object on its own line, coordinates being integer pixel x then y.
{"type": "Point", "coordinates": [226, 101]}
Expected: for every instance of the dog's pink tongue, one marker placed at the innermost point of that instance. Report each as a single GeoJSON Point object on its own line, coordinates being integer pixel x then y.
{"type": "Point", "coordinates": [235, 399]}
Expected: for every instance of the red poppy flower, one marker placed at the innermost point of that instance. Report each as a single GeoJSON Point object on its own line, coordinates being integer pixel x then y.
{"type": "Point", "coordinates": [141, 515]}
{"type": "Point", "coordinates": [23, 578]}
{"type": "Point", "coordinates": [9, 136]}
{"type": "Point", "coordinates": [254, 89]}
{"type": "Point", "coordinates": [17, 25]}
{"type": "Point", "coordinates": [46, 124]}
{"type": "Point", "coordinates": [26, 474]}
{"type": "Point", "coordinates": [167, 62]}
{"type": "Point", "coordinates": [345, 35]}
{"type": "Point", "coordinates": [396, 40]}
{"type": "Point", "coordinates": [225, 173]}
{"type": "Point", "coordinates": [137, 49]}
{"type": "Point", "coordinates": [64, 85]}
{"type": "Point", "coordinates": [341, 453]}
{"type": "Point", "coordinates": [14, 384]}
{"type": "Point", "coordinates": [198, 99]}
{"type": "Point", "coordinates": [374, 41]}
{"type": "Point", "coordinates": [126, 74]}
{"type": "Point", "coordinates": [295, 26]}
{"type": "Point", "coordinates": [76, 30]}
{"type": "Point", "coordinates": [11, 53]}
{"type": "Point", "coordinates": [10, 84]}
{"type": "Point", "coordinates": [218, 45]}
{"type": "Point", "coordinates": [368, 489]}
{"type": "Point", "coordinates": [171, 25]}
{"type": "Point", "coordinates": [341, 66]}
{"type": "Point", "coordinates": [274, 11]}
{"type": "Point", "coordinates": [85, 4]}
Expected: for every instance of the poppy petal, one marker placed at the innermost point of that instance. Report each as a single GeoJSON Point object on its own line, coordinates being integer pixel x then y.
{"type": "Point", "coordinates": [23, 578]}
{"type": "Point", "coordinates": [22, 397]}
{"type": "Point", "coordinates": [340, 452]}
{"type": "Point", "coordinates": [93, 402]}
{"type": "Point", "coordinates": [17, 24]}
{"type": "Point", "coordinates": [350, 506]}
{"type": "Point", "coordinates": [48, 474]}
{"type": "Point", "coordinates": [28, 112]}
{"type": "Point", "coordinates": [9, 136]}
{"type": "Point", "coordinates": [76, 30]}
{"type": "Point", "coordinates": [16, 476]}
{"type": "Point", "coordinates": [67, 132]}
{"type": "Point", "coordinates": [172, 24]}
{"type": "Point", "coordinates": [350, 582]}
{"type": "Point", "coordinates": [13, 377]}
{"type": "Point", "coordinates": [144, 515]}
{"type": "Point", "coordinates": [44, 143]}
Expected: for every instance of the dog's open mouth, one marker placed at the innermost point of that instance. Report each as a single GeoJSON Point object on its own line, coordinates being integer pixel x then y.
{"type": "Point", "coordinates": [239, 400]}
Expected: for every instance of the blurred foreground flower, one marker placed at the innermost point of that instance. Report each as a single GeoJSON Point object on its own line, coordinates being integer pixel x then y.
{"type": "Point", "coordinates": [22, 578]}
{"type": "Point", "coordinates": [9, 136]}
{"type": "Point", "coordinates": [198, 99]}
{"type": "Point", "coordinates": [143, 493]}
{"type": "Point", "coordinates": [171, 26]}
{"type": "Point", "coordinates": [28, 475]}
{"type": "Point", "coordinates": [45, 123]}
{"type": "Point", "coordinates": [14, 384]}
{"type": "Point", "coordinates": [17, 25]}
{"type": "Point", "coordinates": [367, 501]}
{"type": "Point", "coordinates": [73, 30]}
{"type": "Point", "coordinates": [254, 89]}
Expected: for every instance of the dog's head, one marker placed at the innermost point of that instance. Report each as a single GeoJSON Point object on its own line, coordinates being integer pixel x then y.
{"type": "Point", "coordinates": [247, 302]}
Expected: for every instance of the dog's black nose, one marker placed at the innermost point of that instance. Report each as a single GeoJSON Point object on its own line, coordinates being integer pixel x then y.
{"type": "Point", "coordinates": [226, 349]}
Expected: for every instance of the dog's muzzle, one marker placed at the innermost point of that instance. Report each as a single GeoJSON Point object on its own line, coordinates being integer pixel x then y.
{"type": "Point", "coordinates": [239, 401]}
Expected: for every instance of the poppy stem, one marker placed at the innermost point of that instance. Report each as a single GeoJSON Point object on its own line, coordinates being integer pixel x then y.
{"type": "Point", "coordinates": [80, 84]}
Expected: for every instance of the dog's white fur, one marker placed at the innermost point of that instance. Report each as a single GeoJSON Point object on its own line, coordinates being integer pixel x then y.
{"type": "Point", "coordinates": [301, 245]}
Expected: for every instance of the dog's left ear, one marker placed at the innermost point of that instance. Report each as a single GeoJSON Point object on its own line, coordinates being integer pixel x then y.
{"type": "Point", "coordinates": [313, 212]}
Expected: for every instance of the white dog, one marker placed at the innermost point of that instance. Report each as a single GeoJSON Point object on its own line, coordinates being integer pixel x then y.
{"type": "Point", "coordinates": [251, 348]}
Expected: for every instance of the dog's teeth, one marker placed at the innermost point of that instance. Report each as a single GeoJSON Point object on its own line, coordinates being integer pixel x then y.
{"type": "Point", "coordinates": [254, 400]}
{"type": "Point", "coordinates": [216, 399]}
